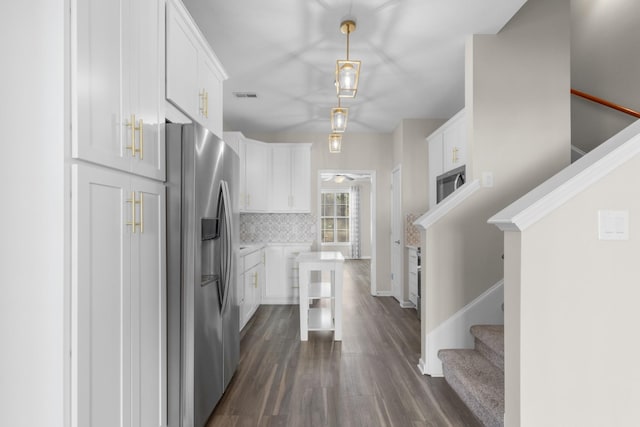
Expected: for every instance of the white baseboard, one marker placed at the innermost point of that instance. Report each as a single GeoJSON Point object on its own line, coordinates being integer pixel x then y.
{"type": "Point", "coordinates": [407, 304]}
{"type": "Point", "coordinates": [422, 367]}
{"type": "Point", "coordinates": [454, 332]}
{"type": "Point", "coordinates": [383, 294]}
{"type": "Point", "coordinates": [280, 301]}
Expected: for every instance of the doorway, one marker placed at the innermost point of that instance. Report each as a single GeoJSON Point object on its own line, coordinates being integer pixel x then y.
{"type": "Point", "coordinates": [347, 215]}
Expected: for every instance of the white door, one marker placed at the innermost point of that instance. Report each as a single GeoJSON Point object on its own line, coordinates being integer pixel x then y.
{"type": "Point", "coordinates": [396, 235]}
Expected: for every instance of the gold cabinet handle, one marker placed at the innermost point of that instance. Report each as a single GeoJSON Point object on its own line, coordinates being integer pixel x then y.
{"type": "Point", "coordinates": [133, 202]}
{"type": "Point", "coordinates": [454, 158]}
{"type": "Point", "coordinates": [206, 104]}
{"type": "Point", "coordinates": [132, 125]}
{"type": "Point", "coordinates": [201, 102]}
{"type": "Point", "coordinates": [255, 279]}
{"type": "Point", "coordinates": [141, 202]}
{"type": "Point", "coordinates": [141, 129]}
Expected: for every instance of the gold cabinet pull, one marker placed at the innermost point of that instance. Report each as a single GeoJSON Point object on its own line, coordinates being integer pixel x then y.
{"type": "Point", "coordinates": [454, 152]}
{"type": "Point", "coordinates": [206, 104]}
{"type": "Point", "coordinates": [141, 205]}
{"type": "Point", "coordinates": [255, 279]}
{"type": "Point", "coordinates": [133, 202]}
{"type": "Point", "coordinates": [141, 129]}
{"type": "Point", "coordinates": [132, 125]}
{"type": "Point", "coordinates": [201, 102]}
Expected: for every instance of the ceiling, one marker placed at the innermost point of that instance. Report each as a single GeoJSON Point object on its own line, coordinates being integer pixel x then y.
{"type": "Point", "coordinates": [412, 54]}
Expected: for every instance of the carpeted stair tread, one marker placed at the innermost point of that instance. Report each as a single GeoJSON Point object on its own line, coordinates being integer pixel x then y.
{"type": "Point", "coordinates": [489, 341]}
{"type": "Point", "coordinates": [478, 382]}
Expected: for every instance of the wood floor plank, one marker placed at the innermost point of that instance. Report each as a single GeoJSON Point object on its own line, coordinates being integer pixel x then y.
{"type": "Point", "coordinates": [369, 379]}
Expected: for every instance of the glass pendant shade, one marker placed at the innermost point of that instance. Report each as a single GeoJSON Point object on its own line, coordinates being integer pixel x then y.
{"type": "Point", "coordinates": [339, 119]}
{"type": "Point", "coordinates": [347, 75]}
{"type": "Point", "coordinates": [335, 143]}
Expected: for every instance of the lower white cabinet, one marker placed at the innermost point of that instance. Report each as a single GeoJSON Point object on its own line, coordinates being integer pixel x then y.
{"type": "Point", "coordinates": [281, 270]}
{"type": "Point", "coordinates": [250, 284]}
{"type": "Point", "coordinates": [118, 343]}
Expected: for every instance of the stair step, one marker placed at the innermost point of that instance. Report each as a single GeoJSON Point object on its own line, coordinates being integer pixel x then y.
{"type": "Point", "coordinates": [478, 382]}
{"type": "Point", "coordinates": [489, 341]}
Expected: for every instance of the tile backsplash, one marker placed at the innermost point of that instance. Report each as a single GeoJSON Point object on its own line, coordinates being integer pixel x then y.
{"type": "Point", "coordinates": [277, 228]}
{"type": "Point", "coordinates": [412, 232]}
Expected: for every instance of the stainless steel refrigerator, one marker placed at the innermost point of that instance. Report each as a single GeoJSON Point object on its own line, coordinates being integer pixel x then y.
{"type": "Point", "coordinates": [202, 236]}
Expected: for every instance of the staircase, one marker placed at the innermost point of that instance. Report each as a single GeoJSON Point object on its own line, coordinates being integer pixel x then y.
{"type": "Point", "coordinates": [477, 375]}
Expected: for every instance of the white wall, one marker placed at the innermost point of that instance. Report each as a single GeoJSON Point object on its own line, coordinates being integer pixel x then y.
{"type": "Point", "coordinates": [517, 105]}
{"type": "Point", "coordinates": [33, 372]}
{"type": "Point", "coordinates": [605, 63]}
{"type": "Point", "coordinates": [578, 299]}
{"type": "Point", "coordinates": [360, 151]}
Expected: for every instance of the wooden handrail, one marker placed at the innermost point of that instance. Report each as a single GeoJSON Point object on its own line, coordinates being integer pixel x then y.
{"type": "Point", "coordinates": [606, 103]}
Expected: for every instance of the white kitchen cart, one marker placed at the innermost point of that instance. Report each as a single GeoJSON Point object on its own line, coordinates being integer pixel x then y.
{"type": "Point", "coordinates": [329, 317]}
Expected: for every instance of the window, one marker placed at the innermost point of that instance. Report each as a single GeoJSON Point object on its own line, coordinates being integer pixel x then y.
{"type": "Point", "coordinates": [335, 216]}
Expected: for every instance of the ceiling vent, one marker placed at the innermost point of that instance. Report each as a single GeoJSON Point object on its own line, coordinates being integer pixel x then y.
{"type": "Point", "coordinates": [245, 94]}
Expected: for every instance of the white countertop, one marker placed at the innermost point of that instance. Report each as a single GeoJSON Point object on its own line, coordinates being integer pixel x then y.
{"type": "Point", "coordinates": [326, 256]}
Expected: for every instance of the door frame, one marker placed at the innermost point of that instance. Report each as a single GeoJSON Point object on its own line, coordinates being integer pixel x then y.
{"type": "Point", "coordinates": [396, 193]}
{"type": "Point", "coordinates": [372, 175]}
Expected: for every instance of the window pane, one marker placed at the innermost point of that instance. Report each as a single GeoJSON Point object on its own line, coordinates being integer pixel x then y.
{"type": "Point", "coordinates": [342, 223]}
{"type": "Point", "coordinates": [327, 223]}
{"type": "Point", "coordinates": [328, 210]}
{"type": "Point", "coordinates": [327, 236]}
{"type": "Point", "coordinates": [327, 198]}
{"type": "Point", "coordinates": [342, 198]}
{"type": "Point", "coordinates": [343, 235]}
{"type": "Point", "coordinates": [342, 210]}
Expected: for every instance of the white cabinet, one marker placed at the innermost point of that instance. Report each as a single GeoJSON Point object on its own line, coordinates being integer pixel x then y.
{"type": "Point", "coordinates": [281, 271]}
{"type": "Point", "coordinates": [290, 183]}
{"type": "Point", "coordinates": [194, 73]}
{"type": "Point", "coordinates": [447, 150]}
{"type": "Point", "coordinates": [117, 53]}
{"type": "Point", "coordinates": [250, 284]}
{"type": "Point", "coordinates": [118, 316]}
{"type": "Point", "coordinates": [412, 270]}
{"type": "Point", "coordinates": [254, 176]}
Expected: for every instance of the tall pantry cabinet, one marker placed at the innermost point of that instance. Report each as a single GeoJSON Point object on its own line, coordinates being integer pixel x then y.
{"type": "Point", "coordinates": [118, 316]}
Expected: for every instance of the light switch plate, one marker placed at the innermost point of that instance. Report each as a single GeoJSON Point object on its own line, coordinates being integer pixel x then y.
{"type": "Point", "coordinates": [613, 225]}
{"type": "Point", "coordinates": [487, 179]}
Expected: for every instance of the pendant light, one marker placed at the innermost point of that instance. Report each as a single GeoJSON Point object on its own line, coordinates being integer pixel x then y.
{"type": "Point", "coordinates": [335, 143]}
{"type": "Point", "coordinates": [347, 71]}
{"type": "Point", "coordinates": [339, 118]}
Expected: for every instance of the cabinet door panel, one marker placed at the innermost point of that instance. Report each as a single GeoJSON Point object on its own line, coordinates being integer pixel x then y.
{"type": "Point", "coordinates": [147, 86]}
{"type": "Point", "coordinates": [212, 85]}
{"type": "Point", "coordinates": [148, 300]}
{"type": "Point", "coordinates": [100, 131]}
{"type": "Point", "coordinates": [435, 166]}
{"type": "Point", "coordinates": [182, 63]}
{"type": "Point", "coordinates": [301, 179]}
{"type": "Point", "coordinates": [256, 176]}
{"type": "Point", "coordinates": [101, 322]}
{"type": "Point", "coordinates": [280, 196]}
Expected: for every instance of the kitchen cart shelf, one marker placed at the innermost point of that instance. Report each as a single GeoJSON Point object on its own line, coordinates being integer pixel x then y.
{"type": "Point", "coordinates": [321, 319]}
{"type": "Point", "coordinates": [329, 317]}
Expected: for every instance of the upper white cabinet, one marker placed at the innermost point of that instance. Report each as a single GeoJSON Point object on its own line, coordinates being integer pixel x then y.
{"type": "Point", "coordinates": [118, 320]}
{"type": "Point", "coordinates": [274, 177]}
{"type": "Point", "coordinates": [117, 70]}
{"type": "Point", "coordinates": [194, 73]}
{"type": "Point", "coordinates": [290, 178]}
{"type": "Point", "coordinates": [447, 151]}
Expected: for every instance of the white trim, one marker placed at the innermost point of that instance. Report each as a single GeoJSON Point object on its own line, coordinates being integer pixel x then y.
{"type": "Point", "coordinates": [570, 181]}
{"type": "Point", "coordinates": [407, 304]}
{"type": "Point", "coordinates": [400, 279]}
{"type": "Point", "coordinates": [577, 150]}
{"type": "Point", "coordinates": [383, 294]}
{"type": "Point", "coordinates": [447, 205]}
{"type": "Point", "coordinates": [454, 332]}
{"type": "Point", "coordinates": [422, 367]}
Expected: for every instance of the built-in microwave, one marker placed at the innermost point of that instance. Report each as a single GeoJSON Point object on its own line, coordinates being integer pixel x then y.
{"type": "Point", "coordinates": [449, 182]}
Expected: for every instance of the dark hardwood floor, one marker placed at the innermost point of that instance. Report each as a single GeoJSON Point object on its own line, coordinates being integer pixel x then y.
{"type": "Point", "coordinates": [368, 379]}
